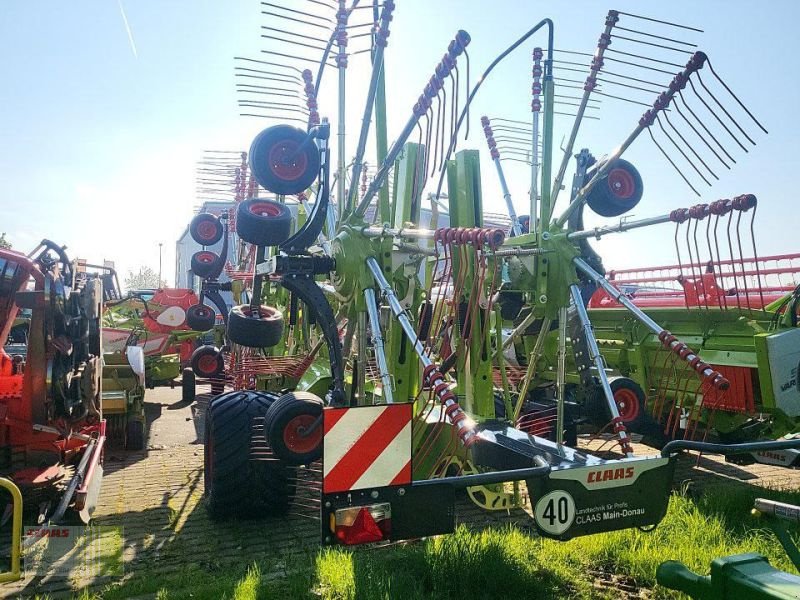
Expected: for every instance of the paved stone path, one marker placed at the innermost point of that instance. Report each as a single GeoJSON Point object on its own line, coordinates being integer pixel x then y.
{"type": "Point", "coordinates": [156, 496]}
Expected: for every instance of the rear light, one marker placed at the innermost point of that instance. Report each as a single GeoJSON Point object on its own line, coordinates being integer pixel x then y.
{"type": "Point", "coordinates": [362, 524]}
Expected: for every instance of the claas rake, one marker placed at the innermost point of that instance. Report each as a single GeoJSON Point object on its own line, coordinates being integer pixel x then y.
{"type": "Point", "coordinates": [411, 323]}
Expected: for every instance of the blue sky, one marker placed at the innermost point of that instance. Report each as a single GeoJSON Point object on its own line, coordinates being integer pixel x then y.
{"type": "Point", "coordinates": [100, 144]}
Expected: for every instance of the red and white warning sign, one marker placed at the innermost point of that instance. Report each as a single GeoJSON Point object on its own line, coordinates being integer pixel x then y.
{"type": "Point", "coordinates": [366, 447]}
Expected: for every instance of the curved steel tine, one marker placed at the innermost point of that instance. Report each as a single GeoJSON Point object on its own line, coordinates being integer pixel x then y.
{"type": "Point", "coordinates": [698, 134]}
{"type": "Point", "coordinates": [700, 121]}
{"type": "Point", "coordinates": [714, 98]}
{"type": "Point", "coordinates": [716, 116]}
{"type": "Point", "coordinates": [677, 146]}
{"type": "Point", "coordinates": [652, 137]}
{"type": "Point", "coordinates": [688, 145]}
{"type": "Point", "coordinates": [295, 11]}
{"type": "Point", "coordinates": [735, 97]}
{"type": "Point", "coordinates": [660, 21]}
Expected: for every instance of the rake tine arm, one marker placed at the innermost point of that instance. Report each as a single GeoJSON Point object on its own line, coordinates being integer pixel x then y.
{"type": "Point", "coordinates": [669, 341]}
{"type": "Point", "coordinates": [431, 374]}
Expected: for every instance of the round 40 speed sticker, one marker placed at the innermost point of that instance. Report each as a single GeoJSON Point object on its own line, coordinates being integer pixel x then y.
{"type": "Point", "coordinates": [555, 512]}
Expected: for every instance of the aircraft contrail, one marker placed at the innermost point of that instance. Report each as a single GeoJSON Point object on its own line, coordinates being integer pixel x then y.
{"type": "Point", "coordinates": [128, 29]}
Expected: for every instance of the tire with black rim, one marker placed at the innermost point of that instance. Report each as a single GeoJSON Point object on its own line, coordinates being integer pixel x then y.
{"type": "Point", "coordinates": [206, 229]}
{"type": "Point", "coordinates": [235, 485]}
{"type": "Point", "coordinates": [207, 362]}
{"type": "Point", "coordinates": [200, 317]}
{"type": "Point", "coordinates": [204, 263]}
{"type": "Point", "coordinates": [188, 386]}
{"type": "Point", "coordinates": [255, 331]}
{"type": "Point", "coordinates": [617, 192]}
{"type": "Point", "coordinates": [631, 401]}
{"type": "Point", "coordinates": [293, 426]}
{"type": "Point", "coordinates": [134, 435]}
{"type": "Point", "coordinates": [283, 160]}
{"type": "Point", "coordinates": [263, 222]}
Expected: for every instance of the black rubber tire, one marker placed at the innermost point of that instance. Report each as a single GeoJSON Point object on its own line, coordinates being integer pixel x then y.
{"type": "Point", "coordinates": [202, 360]}
{"type": "Point", "coordinates": [200, 317]}
{"type": "Point", "coordinates": [263, 222]}
{"type": "Point", "coordinates": [188, 386]}
{"type": "Point", "coordinates": [252, 332]}
{"type": "Point", "coordinates": [206, 229]}
{"type": "Point", "coordinates": [424, 320]}
{"type": "Point", "coordinates": [617, 192]}
{"type": "Point", "coordinates": [134, 435]}
{"type": "Point", "coordinates": [627, 391]}
{"type": "Point", "coordinates": [205, 263]}
{"type": "Point", "coordinates": [283, 418]}
{"type": "Point", "coordinates": [283, 160]}
{"type": "Point", "coordinates": [510, 302]}
{"type": "Point", "coordinates": [235, 486]}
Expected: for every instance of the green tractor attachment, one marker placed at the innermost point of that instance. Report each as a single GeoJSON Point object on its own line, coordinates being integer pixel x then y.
{"type": "Point", "coordinates": [429, 357]}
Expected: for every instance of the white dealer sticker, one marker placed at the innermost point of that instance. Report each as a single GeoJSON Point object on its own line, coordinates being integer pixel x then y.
{"type": "Point", "coordinates": [609, 475]}
{"type": "Point", "coordinates": [555, 512]}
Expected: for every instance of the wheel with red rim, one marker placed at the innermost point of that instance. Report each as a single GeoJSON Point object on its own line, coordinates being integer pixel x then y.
{"type": "Point", "coordinates": [206, 229]}
{"type": "Point", "coordinates": [630, 399]}
{"type": "Point", "coordinates": [207, 362]}
{"type": "Point", "coordinates": [261, 330]}
{"type": "Point", "coordinates": [206, 264]}
{"type": "Point", "coordinates": [263, 222]}
{"type": "Point", "coordinates": [235, 485]}
{"type": "Point", "coordinates": [200, 317]}
{"type": "Point", "coordinates": [617, 192]}
{"type": "Point", "coordinates": [283, 160]}
{"type": "Point", "coordinates": [293, 425]}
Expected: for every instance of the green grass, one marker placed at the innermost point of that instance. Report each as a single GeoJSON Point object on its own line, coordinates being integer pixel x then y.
{"type": "Point", "coordinates": [493, 563]}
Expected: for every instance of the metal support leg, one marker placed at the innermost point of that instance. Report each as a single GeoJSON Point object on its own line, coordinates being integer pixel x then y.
{"type": "Point", "coordinates": [597, 359]}
{"type": "Point", "coordinates": [561, 375]}
{"type": "Point", "coordinates": [361, 337]}
{"type": "Point", "coordinates": [377, 343]}
{"type": "Point", "coordinates": [532, 360]}
{"type": "Point", "coordinates": [512, 214]}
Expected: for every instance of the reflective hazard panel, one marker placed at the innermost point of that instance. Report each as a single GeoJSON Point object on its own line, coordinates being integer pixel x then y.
{"type": "Point", "coordinates": [366, 447]}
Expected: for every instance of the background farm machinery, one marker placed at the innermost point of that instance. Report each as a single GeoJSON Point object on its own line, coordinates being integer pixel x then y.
{"type": "Point", "coordinates": [51, 426]}
{"type": "Point", "coordinates": [403, 334]}
{"type": "Point", "coordinates": [157, 321]}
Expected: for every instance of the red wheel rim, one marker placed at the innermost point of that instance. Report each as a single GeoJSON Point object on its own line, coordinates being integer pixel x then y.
{"type": "Point", "coordinates": [293, 434]}
{"type": "Point", "coordinates": [202, 312]}
{"type": "Point", "coordinates": [207, 364]}
{"type": "Point", "coordinates": [621, 183]}
{"type": "Point", "coordinates": [264, 209]}
{"type": "Point", "coordinates": [285, 162]}
{"type": "Point", "coordinates": [206, 257]}
{"type": "Point", "coordinates": [207, 229]}
{"type": "Point", "coordinates": [627, 404]}
{"type": "Point", "coordinates": [267, 313]}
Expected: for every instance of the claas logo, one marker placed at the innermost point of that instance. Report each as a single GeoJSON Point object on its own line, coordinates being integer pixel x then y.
{"type": "Point", "coordinates": [610, 474]}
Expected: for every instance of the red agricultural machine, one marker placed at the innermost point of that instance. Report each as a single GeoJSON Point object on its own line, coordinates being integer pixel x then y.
{"type": "Point", "coordinates": [52, 431]}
